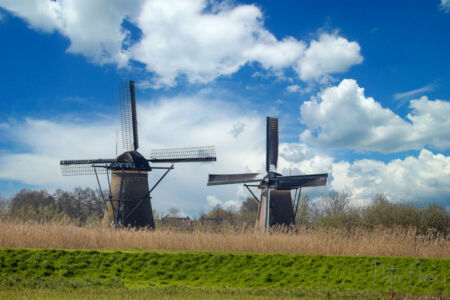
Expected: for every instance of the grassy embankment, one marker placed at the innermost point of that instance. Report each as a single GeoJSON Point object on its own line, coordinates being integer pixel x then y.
{"type": "Point", "coordinates": [242, 274]}
{"type": "Point", "coordinates": [28, 269]}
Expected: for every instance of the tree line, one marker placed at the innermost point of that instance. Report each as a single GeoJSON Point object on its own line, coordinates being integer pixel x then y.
{"type": "Point", "coordinates": [333, 209]}
{"type": "Point", "coordinates": [79, 206]}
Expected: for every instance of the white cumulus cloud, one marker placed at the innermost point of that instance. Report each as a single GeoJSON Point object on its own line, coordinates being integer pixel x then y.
{"type": "Point", "coordinates": [299, 158]}
{"type": "Point", "coordinates": [425, 178]}
{"type": "Point", "coordinates": [199, 40]}
{"type": "Point", "coordinates": [94, 28]}
{"type": "Point", "coordinates": [330, 54]}
{"type": "Point", "coordinates": [343, 117]}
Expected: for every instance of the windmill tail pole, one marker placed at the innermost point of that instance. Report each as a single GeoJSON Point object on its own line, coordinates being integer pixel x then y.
{"type": "Point", "coordinates": [267, 207]}
{"type": "Point", "coordinates": [298, 200]}
{"type": "Point", "coordinates": [159, 180]}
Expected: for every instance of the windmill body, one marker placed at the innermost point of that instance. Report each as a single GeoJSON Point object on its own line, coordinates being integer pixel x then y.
{"type": "Point", "coordinates": [128, 200]}
{"type": "Point", "coordinates": [276, 206]}
{"type": "Point", "coordinates": [281, 209]}
{"type": "Point", "coordinates": [130, 203]}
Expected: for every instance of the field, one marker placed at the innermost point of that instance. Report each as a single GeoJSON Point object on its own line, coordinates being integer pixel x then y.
{"type": "Point", "coordinates": [378, 242]}
{"type": "Point", "coordinates": [182, 293]}
{"type": "Point", "coordinates": [231, 264]}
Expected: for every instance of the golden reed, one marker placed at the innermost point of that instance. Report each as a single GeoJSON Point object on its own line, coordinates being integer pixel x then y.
{"type": "Point", "coordinates": [377, 242]}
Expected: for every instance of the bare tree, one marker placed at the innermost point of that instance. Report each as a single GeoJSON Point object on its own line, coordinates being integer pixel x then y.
{"type": "Point", "coordinates": [249, 211]}
{"type": "Point", "coordinates": [173, 212]}
{"type": "Point", "coordinates": [306, 211]}
{"type": "Point", "coordinates": [335, 204]}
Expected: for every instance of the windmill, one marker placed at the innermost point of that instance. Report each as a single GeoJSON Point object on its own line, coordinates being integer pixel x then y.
{"type": "Point", "coordinates": [276, 206]}
{"type": "Point", "coordinates": [128, 202]}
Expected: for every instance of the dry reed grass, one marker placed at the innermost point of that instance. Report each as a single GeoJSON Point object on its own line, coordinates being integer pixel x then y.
{"type": "Point", "coordinates": [378, 242]}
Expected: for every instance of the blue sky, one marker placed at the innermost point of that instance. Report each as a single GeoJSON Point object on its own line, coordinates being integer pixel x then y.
{"type": "Point", "coordinates": [360, 87]}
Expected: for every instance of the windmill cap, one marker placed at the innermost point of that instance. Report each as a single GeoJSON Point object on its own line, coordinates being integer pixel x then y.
{"type": "Point", "coordinates": [132, 160]}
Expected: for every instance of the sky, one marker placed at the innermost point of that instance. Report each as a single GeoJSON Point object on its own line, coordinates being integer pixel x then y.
{"type": "Point", "coordinates": [360, 89]}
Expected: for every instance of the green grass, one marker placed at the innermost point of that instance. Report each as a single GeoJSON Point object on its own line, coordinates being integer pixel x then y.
{"type": "Point", "coordinates": [183, 293]}
{"type": "Point", "coordinates": [155, 270]}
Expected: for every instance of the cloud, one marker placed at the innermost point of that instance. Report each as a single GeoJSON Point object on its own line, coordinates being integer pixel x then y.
{"type": "Point", "coordinates": [94, 28]}
{"type": "Point", "coordinates": [445, 6]}
{"type": "Point", "coordinates": [343, 117]}
{"type": "Point", "coordinates": [330, 54]}
{"type": "Point", "coordinates": [180, 38]}
{"type": "Point", "coordinates": [299, 158]}
{"type": "Point", "coordinates": [46, 142]}
{"type": "Point", "coordinates": [213, 201]}
{"type": "Point", "coordinates": [413, 93]}
{"type": "Point", "coordinates": [41, 15]}
{"type": "Point", "coordinates": [293, 88]}
{"type": "Point", "coordinates": [43, 143]}
{"type": "Point", "coordinates": [425, 178]}
{"type": "Point", "coordinates": [198, 40]}
{"type": "Point", "coordinates": [237, 129]}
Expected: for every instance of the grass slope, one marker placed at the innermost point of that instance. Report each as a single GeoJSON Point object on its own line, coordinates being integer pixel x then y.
{"type": "Point", "coordinates": [183, 293]}
{"type": "Point", "coordinates": [23, 268]}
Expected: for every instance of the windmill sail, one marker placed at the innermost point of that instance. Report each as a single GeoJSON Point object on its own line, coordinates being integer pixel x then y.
{"type": "Point", "coordinates": [178, 155]}
{"type": "Point", "coordinates": [272, 143]}
{"type": "Point", "coordinates": [134, 116]}
{"type": "Point", "coordinates": [300, 181]}
{"type": "Point", "coordinates": [84, 166]}
{"type": "Point", "coordinates": [128, 116]}
{"type": "Point", "coordinates": [219, 179]}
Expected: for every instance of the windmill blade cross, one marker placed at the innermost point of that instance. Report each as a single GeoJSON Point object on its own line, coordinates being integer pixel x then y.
{"type": "Point", "coordinates": [300, 181]}
{"type": "Point", "coordinates": [271, 143]}
{"type": "Point", "coordinates": [179, 155]}
{"type": "Point", "coordinates": [128, 116]}
{"type": "Point", "coordinates": [220, 179]}
{"type": "Point", "coordinates": [134, 116]}
{"type": "Point", "coordinates": [84, 166]}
